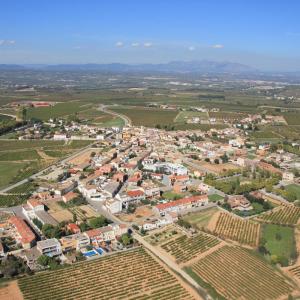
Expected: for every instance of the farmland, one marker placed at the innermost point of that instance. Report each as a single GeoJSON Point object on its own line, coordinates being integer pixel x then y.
{"type": "Point", "coordinates": [132, 275]}
{"type": "Point", "coordinates": [284, 215]}
{"type": "Point", "coordinates": [237, 229]}
{"type": "Point", "coordinates": [294, 188]}
{"type": "Point", "coordinates": [292, 118]}
{"type": "Point", "coordinates": [183, 116]}
{"type": "Point", "coordinates": [280, 242]}
{"type": "Point", "coordinates": [227, 116]}
{"type": "Point", "coordinates": [185, 248]}
{"type": "Point", "coordinates": [59, 110]}
{"type": "Point", "coordinates": [147, 117]}
{"type": "Point", "coordinates": [241, 275]}
{"type": "Point", "coordinates": [21, 159]}
{"type": "Point", "coordinates": [200, 220]}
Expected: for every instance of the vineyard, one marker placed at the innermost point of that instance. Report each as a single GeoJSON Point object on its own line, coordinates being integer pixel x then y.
{"type": "Point", "coordinates": [237, 229]}
{"type": "Point", "coordinates": [296, 271]}
{"type": "Point", "coordinates": [237, 274]}
{"type": "Point", "coordinates": [127, 275]}
{"type": "Point", "coordinates": [285, 215]}
{"type": "Point", "coordinates": [186, 248]}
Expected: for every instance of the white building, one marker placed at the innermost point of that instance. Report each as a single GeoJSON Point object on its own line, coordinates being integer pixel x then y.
{"type": "Point", "coordinates": [49, 247]}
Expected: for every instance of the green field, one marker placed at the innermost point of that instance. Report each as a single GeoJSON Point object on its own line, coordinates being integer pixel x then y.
{"type": "Point", "coordinates": [292, 118]}
{"type": "Point", "coordinates": [21, 159]}
{"type": "Point", "coordinates": [9, 171]}
{"type": "Point", "coordinates": [183, 116]}
{"type": "Point", "coordinates": [280, 240]}
{"type": "Point", "coordinates": [59, 110]}
{"type": "Point", "coordinates": [200, 219]}
{"type": "Point", "coordinates": [215, 197]}
{"type": "Point", "coordinates": [148, 117]}
{"type": "Point", "coordinates": [295, 188]}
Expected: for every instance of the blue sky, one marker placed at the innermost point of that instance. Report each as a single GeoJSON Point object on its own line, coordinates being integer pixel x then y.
{"type": "Point", "coordinates": [264, 34]}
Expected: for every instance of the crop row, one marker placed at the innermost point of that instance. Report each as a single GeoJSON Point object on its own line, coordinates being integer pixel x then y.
{"type": "Point", "coordinates": [124, 275]}
{"type": "Point", "coordinates": [296, 271]}
{"type": "Point", "coordinates": [241, 275]}
{"type": "Point", "coordinates": [242, 231]}
{"type": "Point", "coordinates": [186, 248]}
{"type": "Point", "coordinates": [285, 215]}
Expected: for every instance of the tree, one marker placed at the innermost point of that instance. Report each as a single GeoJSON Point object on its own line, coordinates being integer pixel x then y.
{"type": "Point", "coordinates": [43, 260]}
{"type": "Point", "coordinates": [216, 161]}
{"type": "Point", "coordinates": [12, 266]}
{"type": "Point", "coordinates": [98, 222]}
{"type": "Point", "coordinates": [126, 239]}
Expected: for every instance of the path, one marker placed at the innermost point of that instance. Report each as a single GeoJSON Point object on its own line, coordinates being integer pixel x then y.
{"type": "Point", "coordinates": [126, 120]}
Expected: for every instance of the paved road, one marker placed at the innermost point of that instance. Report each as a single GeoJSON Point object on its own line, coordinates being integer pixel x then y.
{"type": "Point", "coordinates": [125, 118]}
{"type": "Point", "coordinates": [172, 265]}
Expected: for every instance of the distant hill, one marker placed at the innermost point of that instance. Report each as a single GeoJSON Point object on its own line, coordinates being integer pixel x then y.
{"type": "Point", "coordinates": [203, 66]}
{"type": "Point", "coordinates": [175, 66]}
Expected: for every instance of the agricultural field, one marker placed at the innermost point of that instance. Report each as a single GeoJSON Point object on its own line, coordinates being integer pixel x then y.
{"type": "Point", "coordinates": [292, 118]}
{"type": "Point", "coordinates": [283, 215]}
{"type": "Point", "coordinates": [237, 229]}
{"type": "Point", "coordinates": [21, 159]}
{"type": "Point", "coordinates": [161, 236]}
{"type": "Point", "coordinates": [295, 271]}
{"type": "Point", "coordinates": [295, 188]}
{"type": "Point", "coordinates": [148, 117]}
{"type": "Point", "coordinates": [132, 274]}
{"type": "Point", "coordinates": [183, 116]}
{"type": "Point", "coordinates": [240, 275]}
{"type": "Point", "coordinates": [215, 198]}
{"type": "Point", "coordinates": [279, 242]}
{"type": "Point", "coordinates": [227, 116]}
{"type": "Point", "coordinates": [201, 219]}
{"type": "Point", "coordinates": [59, 110]}
{"type": "Point", "coordinates": [185, 248]}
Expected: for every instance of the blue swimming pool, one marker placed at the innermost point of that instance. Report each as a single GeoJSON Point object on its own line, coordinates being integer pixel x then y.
{"type": "Point", "coordinates": [90, 253]}
{"type": "Point", "coordinates": [99, 250]}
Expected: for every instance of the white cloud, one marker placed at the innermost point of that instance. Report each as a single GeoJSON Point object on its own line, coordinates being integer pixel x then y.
{"type": "Point", "coordinates": [218, 46]}
{"type": "Point", "coordinates": [119, 44]}
{"type": "Point", "coordinates": [148, 45]}
{"type": "Point", "coordinates": [7, 42]}
{"type": "Point", "coordinates": [135, 44]}
{"type": "Point", "coordinates": [191, 48]}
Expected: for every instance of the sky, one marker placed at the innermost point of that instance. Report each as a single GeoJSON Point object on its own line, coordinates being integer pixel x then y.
{"type": "Point", "coordinates": [264, 34]}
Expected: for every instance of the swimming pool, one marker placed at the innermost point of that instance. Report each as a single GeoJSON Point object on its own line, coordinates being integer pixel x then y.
{"type": "Point", "coordinates": [90, 253]}
{"type": "Point", "coordinates": [99, 250]}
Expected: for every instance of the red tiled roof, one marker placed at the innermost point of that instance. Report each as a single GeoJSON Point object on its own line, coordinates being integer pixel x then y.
{"type": "Point", "coordinates": [73, 227]}
{"type": "Point", "coordinates": [182, 201]}
{"type": "Point", "coordinates": [27, 236]}
{"type": "Point", "coordinates": [135, 193]}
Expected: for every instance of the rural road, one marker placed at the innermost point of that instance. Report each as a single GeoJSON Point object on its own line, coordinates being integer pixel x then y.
{"type": "Point", "coordinates": [125, 118]}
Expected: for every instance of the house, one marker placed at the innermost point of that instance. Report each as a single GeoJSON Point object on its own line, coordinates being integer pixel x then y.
{"type": "Point", "coordinates": [65, 187]}
{"type": "Point", "coordinates": [113, 205]}
{"type": "Point", "coordinates": [181, 204]}
{"type": "Point", "coordinates": [239, 202]}
{"type": "Point", "coordinates": [268, 167]}
{"type": "Point", "coordinates": [100, 235]}
{"type": "Point", "coordinates": [74, 228]}
{"type": "Point", "coordinates": [75, 241]}
{"type": "Point", "coordinates": [288, 176]}
{"type": "Point", "coordinates": [22, 232]}
{"type": "Point", "coordinates": [49, 247]}
{"type": "Point", "coordinates": [69, 196]}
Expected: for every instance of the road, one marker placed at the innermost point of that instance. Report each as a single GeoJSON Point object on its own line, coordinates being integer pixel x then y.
{"type": "Point", "coordinates": [64, 160]}
{"type": "Point", "coordinates": [126, 120]}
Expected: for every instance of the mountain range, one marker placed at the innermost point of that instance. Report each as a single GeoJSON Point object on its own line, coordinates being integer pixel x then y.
{"type": "Point", "coordinates": [203, 66]}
